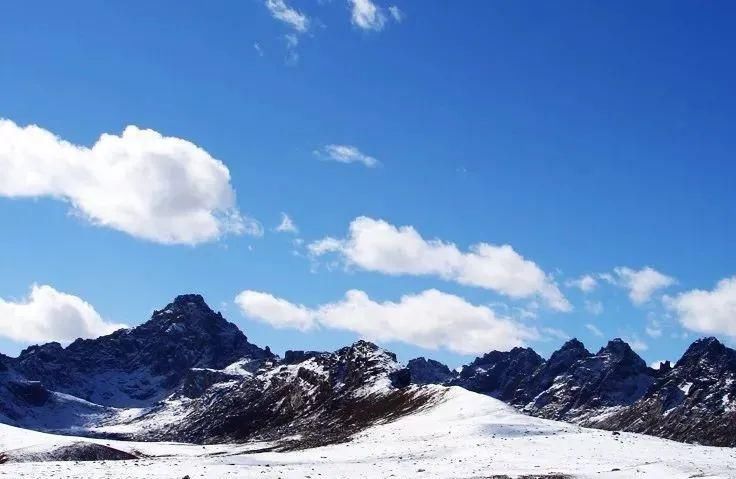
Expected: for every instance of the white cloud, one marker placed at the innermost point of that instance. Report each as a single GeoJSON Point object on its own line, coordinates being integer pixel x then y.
{"type": "Point", "coordinates": [710, 312]}
{"type": "Point", "coordinates": [431, 319]}
{"type": "Point", "coordinates": [346, 154]}
{"type": "Point", "coordinates": [366, 15]}
{"type": "Point", "coordinates": [158, 188]}
{"type": "Point", "coordinates": [275, 311]}
{"type": "Point", "coordinates": [375, 245]}
{"type": "Point", "coordinates": [258, 49]}
{"type": "Point", "coordinates": [281, 11]}
{"type": "Point", "coordinates": [594, 307]}
{"type": "Point", "coordinates": [642, 284]}
{"type": "Point", "coordinates": [49, 315]}
{"type": "Point", "coordinates": [594, 329]}
{"type": "Point", "coordinates": [287, 225]}
{"type": "Point", "coordinates": [637, 344]}
{"type": "Point", "coordinates": [396, 14]}
{"type": "Point", "coordinates": [585, 283]}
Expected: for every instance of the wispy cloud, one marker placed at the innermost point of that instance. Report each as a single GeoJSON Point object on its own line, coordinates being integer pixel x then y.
{"type": "Point", "coordinates": [287, 225]}
{"type": "Point", "coordinates": [346, 154]}
{"type": "Point", "coordinates": [594, 329]}
{"type": "Point", "coordinates": [396, 14]}
{"type": "Point", "coordinates": [282, 12]}
{"type": "Point", "coordinates": [585, 283]}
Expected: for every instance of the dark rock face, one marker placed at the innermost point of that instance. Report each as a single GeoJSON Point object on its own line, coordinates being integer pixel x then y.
{"type": "Point", "coordinates": [615, 376]}
{"type": "Point", "coordinates": [140, 366]}
{"type": "Point", "coordinates": [692, 401]}
{"type": "Point", "coordinates": [429, 371]}
{"type": "Point", "coordinates": [547, 373]}
{"type": "Point", "coordinates": [324, 398]}
{"type": "Point", "coordinates": [499, 374]}
{"type": "Point", "coordinates": [695, 401]}
{"type": "Point", "coordinates": [77, 451]}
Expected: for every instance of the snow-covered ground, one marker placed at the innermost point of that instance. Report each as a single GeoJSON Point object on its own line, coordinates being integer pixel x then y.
{"type": "Point", "coordinates": [466, 435]}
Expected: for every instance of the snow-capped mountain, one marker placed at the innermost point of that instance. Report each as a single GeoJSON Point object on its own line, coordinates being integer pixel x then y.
{"type": "Point", "coordinates": [308, 398]}
{"type": "Point", "coordinates": [187, 374]}
{"type": "Point", "coordinates": [694, 401]}
{"type": "Point", "coordinates": [139, 366]}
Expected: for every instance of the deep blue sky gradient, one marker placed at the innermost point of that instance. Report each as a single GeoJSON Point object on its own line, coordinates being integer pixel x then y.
{"type": "Point", "coordinates": [588, 135]}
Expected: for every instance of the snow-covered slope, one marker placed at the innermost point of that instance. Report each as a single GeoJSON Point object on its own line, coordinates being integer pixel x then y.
{"type": "Point", "coordinates": [465, 435]}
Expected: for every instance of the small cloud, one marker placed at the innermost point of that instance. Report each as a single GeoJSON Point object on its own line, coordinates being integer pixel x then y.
{"type": "Point", "coordinates": [396, 14]}
{"type": "Point", "coordinates": [282, 12]}
{"type": "Point", "coordinates": [287, 225]}
{"type": "Point", "coordinates": [585, 283]}
{"type": "Point", "coordinates": [637, 344]}
{"type": "Point", "coordinates": [258, 49]}
{"type": "Point", "coordinates": [346, 154]}
{"type": "Point", "coordinates": [642, 284]}
{"type": "Point", "coordinates": [593, 329]}
{"type": "Point", "coordinates": [366, 15]}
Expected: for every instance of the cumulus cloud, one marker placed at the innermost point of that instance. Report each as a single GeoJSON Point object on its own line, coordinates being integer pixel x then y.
{"type": "Point", "coordinates": [346, 154]}
{"type": "Point", "coordinates": [642, 284]}
{"type": "Point", "coordinates": [585, 283]}
{"type": "Point", "coordinates": [287, 225]}
{"type": "Point", "coordinates": [293, 18]}
{"type": "Point", "coordinates": [158, 188]}
{"type": "Point", "coordinates": [708, 311]}
{"type": "Point", "coordinates": [431, 319]}
{"type": "Point", "coordinates": [49, 315]}
{"type": "Point", "coordinates": [376, 245]}
{"type": "Point", "coordinates": [594, 329]}
{"type": "Point", "coordinates": [277, 312]}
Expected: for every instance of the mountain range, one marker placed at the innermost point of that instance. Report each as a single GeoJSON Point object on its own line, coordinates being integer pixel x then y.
{"type": "Point", "coordinates": [189, 375]}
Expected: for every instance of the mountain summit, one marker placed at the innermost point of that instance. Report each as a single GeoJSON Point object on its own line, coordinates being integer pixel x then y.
{"type": "Point", "coordinates": [139, 366]}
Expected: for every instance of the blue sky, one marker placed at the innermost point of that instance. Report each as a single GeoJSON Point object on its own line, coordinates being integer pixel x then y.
{"type": "Point", "coordinates": [588, 137]}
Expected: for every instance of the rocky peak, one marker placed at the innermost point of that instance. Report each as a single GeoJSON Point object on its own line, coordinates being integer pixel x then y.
{"type": "Point", "coordinates": [664, 368]}
{"type": "Point", "coordinates": [42, 351]}
{"type": "Point", "coordinates": [296, 356]}
{"type": "Point", "coordinates": [499, 373]}
{"type": "Point", "coordinates": [705, 350]}
{"type": "Point", "coordinates": [147, 362]}
{"type": "Point", "coordinates": [571, 351]}
{"type": "Point", "coordinates": [429, 371]}
{"type": "Point", "coordinates": [618, 351]}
